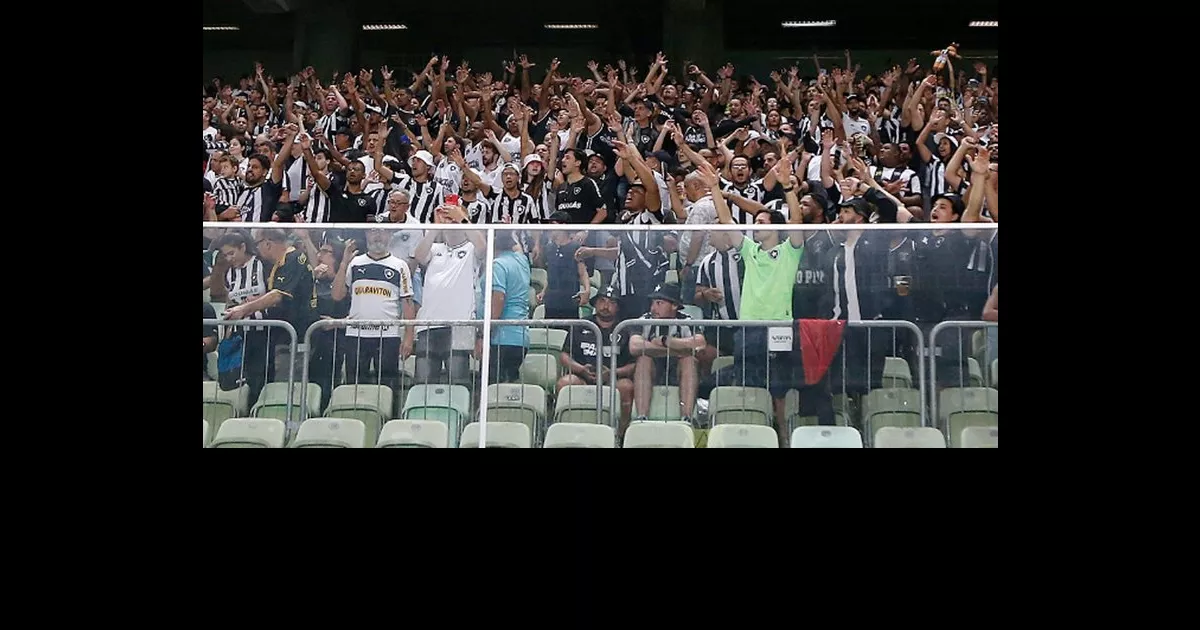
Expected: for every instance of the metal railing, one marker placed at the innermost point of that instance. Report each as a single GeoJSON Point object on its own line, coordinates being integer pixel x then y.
{"type": "Point", "coordinates": [721, 323]}
{"type": "Point", "coordinates": [933, 335]}
{"type": "Point", "coordinates": [269, 323]}
{"type": "Point", "coordinates": [484, 366]}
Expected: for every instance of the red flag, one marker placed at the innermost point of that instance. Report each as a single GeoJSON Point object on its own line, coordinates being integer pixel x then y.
{"type": "Point", "coordinates": [819, 343]}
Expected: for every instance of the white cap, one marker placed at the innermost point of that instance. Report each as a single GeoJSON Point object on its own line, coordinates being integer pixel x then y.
{"type": "Point", "coordinates": [422, 155]}
{"type": "Point", "coordinates": [937, 139]}
{"type": "Point", "coordinates": [512, 165]}
{"type": "Point", "coordinates": [532, 157]}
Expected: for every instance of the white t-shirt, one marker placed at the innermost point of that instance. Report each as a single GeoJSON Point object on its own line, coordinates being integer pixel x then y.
{"type": "Point", "coordinates": [474, 156]}
{"type": "Point", "coordinates": [449, 176]}
{"type": "Point", "coordinates": [512, 144]}
{"type": "Point", "coordinates": [210, 133]}
{"type": "Point", "coordinates": [852, 126]}
{"type": "Point", "coordinates": [376, 290]}
{"type": "Point", "coordinates": [449, 289]}
{"type": "Point", "coordinates": [404, 242]}
{"type": "Point", "coordinates": [493, 178]}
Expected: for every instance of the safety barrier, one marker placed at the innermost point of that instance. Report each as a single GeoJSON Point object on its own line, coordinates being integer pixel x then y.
{"type": "Point", "coordinates": [933, 336]}
{"type": "Point", "coordinates": [292, 348]}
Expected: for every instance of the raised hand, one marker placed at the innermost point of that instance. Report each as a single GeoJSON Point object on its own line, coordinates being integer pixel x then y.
{"type": "Point", "coordinates": [387, 74]}
{"type": "Point", "coordinates": [981, 68]}
{"type": "Point", "coordinates": [510, 67]}
{"type": "Point", "coordinates": [525, 62]}
{"type": "Point", "coordinates": [445, 64]}
{"type": "Point", "coordinates": [913, 66]}
{"type": "Point", "coordinates": [982, 161]}
{"type": "Point", "coordinates": [258, 69]}
{"type": "Point", "coordinates": [592, 65]}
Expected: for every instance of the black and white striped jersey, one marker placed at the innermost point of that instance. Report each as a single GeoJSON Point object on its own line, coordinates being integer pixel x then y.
{"type": "Point", "coordinates": [935, 177]}
{"type": "Point", "coordinates": [423, 197]}
{"type": "Point", "coordinates": [543, 204]}
{"type": "Point", "coordinates": [226, 190]}
{"type": "Point", "coordinates": [258, 203]}
{"type": "Point", "coordinates": [677, 331]}
{"type": "Point", "coordinates": [505, 209]}
{"type": "Point", "coordinates": [753, 190]}
{"type": "Point", "coordinates": [246, 283]}
{"type": "Point", "coordinates": [328, 124]}
{"type": "Point", "coordinates": [889, 128]}
{"type": "Point", "coordinates": [319, 208]}
{"type": "Point", "coordinates": [478, 209]}
{"type": "Point", "coordinates": [725, 271]}
{"type": "Point", "coordinates": [639, 269]}
{"type": "Point", "coordinates": [890, 175]}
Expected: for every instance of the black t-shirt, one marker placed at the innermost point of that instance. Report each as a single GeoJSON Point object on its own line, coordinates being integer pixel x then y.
{"type": "Point", "coordinates": [293, 277]}
{"type": "Point", "coordinates": [901, 267]}
{"type": "Point", "coordinates": [695, 137]}
{"type": "Point", "coordinates": [562, 270]}
{"type": "Point", "coordinates": [946, 287]}
{"type": "Point", "coordinates": [580, 199]}
{"type": "Point", "coordinates": [326, 305]}
{"type": "Point", "coordinates": [583, 346]}
{"type": "Point", "coordinates": [812, 296]}
{"type": "Point", "coordinates": [351, 207]}
{"type": "Point", "coordinates": [258, 204]}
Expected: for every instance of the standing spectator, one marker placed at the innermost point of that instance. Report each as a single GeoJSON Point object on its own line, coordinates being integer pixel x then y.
{"type": "Point", "coordinates": [381, 288]}
{"type": "Point", "coordinates": [260, 198]}
{"type": "Point", "coordinates": [404, 242]}
{"type": "Point", "coordinates": [582, 348]}
{"type": "Point", "coordinates": [718, 291]}
{"type": "Point", "coordinates": [424, 193]}
{"type": "Point", "coordinates": [991, 310]}
{"type": "Point", "coordinates": [769, 273]}
{"type": "Point", "coordinates": [657, 345]}
{"type": "Point", "coordinates": [450, 259]}
{"type": "Point", "coordinates": [579, 196]}
{"type": "Point", "coordinates": [565, 274]}
{"type": "Point", "coordinates": [245, 280]}
{"type": "Point", "coordinates": [358, 201]}
{"type": "Point", "coordinates": [290, 296]}
{"type": "Point", "coordinates": [328, 351]}
{"type": "Point", "coordinates": [509, 300]}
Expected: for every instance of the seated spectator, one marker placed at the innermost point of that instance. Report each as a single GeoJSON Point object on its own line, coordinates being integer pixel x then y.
{"type": "Point", "coordinates": [666, 355]}
{"type": "Point", "coordinates": [582, 346]}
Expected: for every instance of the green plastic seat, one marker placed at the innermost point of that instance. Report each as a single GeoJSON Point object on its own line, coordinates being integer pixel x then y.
{"type": "Point", "coordinates": [547, 340]}
{"type": "Point", "coordinates": [664, 404]}
{"type": "Point", "coordinates": [514, 402]}
{"type": "Point", "coordinates": [742, 436]}
{"type": "Point", "coordinates": [577, 404]}
{"type": "Point", "coordinates": [450, 404]}
{"type": "Point", "coordinates": [499, 435]}
{"type": "Point", "coordinates": [826, 437]}
{"type": "Point", "coordinates": [219, 405]}
{"type": "Point", "coordinates": [741, 405]}
{"type": "Point", "coordinates": [655, 434]}
{"type": "Point", "coordinates": [372, 404]}
{"type": "Point", "coordinates": [539, 278]}
{"type": "Point", "coordinates": [249, 433]}
{"type": "Point", "coordinates": [541, 369]}
{"type": "Point", "coordinates": [980, 437]}
{"type": "Point", "coordinates": [330, 433]}
{"type": "Point", "coordinates": [273, 401]}
{"type": "Point", "coordinates": [911, 437]}
{"type": "Point", "coordinates": [962, 407]}
{"type": "Point", "coordinates": [896, 373]}
{"type": "Point", "coordinates": [575, 435]}
{"type": "Point", "coordinates": [414, 434]}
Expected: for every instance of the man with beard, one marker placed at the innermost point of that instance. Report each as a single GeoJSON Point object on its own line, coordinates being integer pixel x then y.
{"type": "Point", "coordinates": [641, 262]}
{"type": "Point", "coordinates": [582, 347]}
{"type": "Point", "coordinates": [770, 272]}
{"type": "Point", "coordinates": [356, 203]}
{"type": "Point", "coordinates": [894, 175]}
{"type": "Point", "coordinates": [657, 345]}
{"type": "Point", "coordinates": [260, 198]}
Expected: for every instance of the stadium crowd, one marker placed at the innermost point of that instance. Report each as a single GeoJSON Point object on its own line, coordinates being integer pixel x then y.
{"type": "Point", "coordinates": [589, 150]}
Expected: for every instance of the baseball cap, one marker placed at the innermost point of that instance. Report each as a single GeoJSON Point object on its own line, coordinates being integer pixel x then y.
{"type": "Point", "coordinates": [858, 204]}
{"type": "Point", "coordinates": [532, 157]}
{"type": "Point", "coordinates": [422, 155]}
{"type": "Point", "coordinates": [937, 139]}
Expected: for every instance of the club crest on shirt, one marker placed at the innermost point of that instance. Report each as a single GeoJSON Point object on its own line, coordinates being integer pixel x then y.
{"type": "Point", "coordinates": [404, 237]}
{"type": "Point", "coordinates": [462, 253]}
{"type": "Point", "coordinates": [576, 190]}
{"type": "Point", "coordinates": [774, 253]}
{"type": "Point", "coordinates": [362, 202]}
{"type": "Point", "coordinates": [388, 274]}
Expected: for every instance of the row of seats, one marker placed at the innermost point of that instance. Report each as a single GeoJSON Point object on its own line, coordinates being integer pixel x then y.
{"type": "Point", "coordinates": [352, 433]}
{"type": "Point", "coordinates": [451, 405]}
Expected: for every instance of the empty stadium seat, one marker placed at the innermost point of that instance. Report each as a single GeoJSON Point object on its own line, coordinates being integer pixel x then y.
{"type": "Point", "coordinates": [538, 279]}
{"type": "Point", "coordinates": [577, 404]}
{"type": "Point", "coordinates": [896, 373]}
{"type": "Point", "coordinates": [499, 435]}
{"type": "Point", "coordinates": [249, 433]}
{"type": "Point", "coordinates": [540, 369]}
{"type": "Point", "coordinates": [792, 414]}
{"type": "Point", "coordinates": [826, 437]}
{"type": "Point", "coordinates": [221, 405]}
{"type": "Point", "coordinates": [513, 402]}
{"type": "Point", "coordinates": [693, 311]}
{"type": "Point", "coordinates": [373, 404]}
{"type": "Point", "coordinates": [721, 363]}
{"type": "Point", "coordinates": [741, 405]}
{"type": "Point", "coordinates": [533, 295]}
{"type": "Point", "coordinates": [915, 437]}
{"type": "Point", "coordinates": [445, 403]}
{"type": "Point", "coordinates": [962, 407]}
{"type": "Point", "coordinates": [742, 436]}
{"type": "Point", "coordinates": [539, 312]}
{"type": "Point", "coordinates": [414, 434]}
{"type": "Point", "coordinates": [659, 435]}
{"type": "Point", "coordinates": [980, 437]}
{"type": "Point", "coordinates": [547, 340]}
{"type": "Point", "coordinates": [891, 407]}
{"type": "Point", "coordinates": [974, 374]}
{"type": "Point", "coordinates": [206, 434]}
{"type": "Point", "coordinates": [664, 404]}
{"type": "Point", "coordinates": [273, 401]}
{"type": "Point", "coordinates": [573, 435]}
{"type": "Point", "coordinates": [331, 433]}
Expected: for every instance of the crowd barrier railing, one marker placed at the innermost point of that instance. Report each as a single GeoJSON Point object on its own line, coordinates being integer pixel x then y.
{"type": "Point", "coordinates": [933, 337]}
{"type": "Point", "coordinates": [267, 323]}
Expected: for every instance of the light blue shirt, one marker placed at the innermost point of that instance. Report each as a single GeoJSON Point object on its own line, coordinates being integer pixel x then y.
{"type": "Point", "coordinates": [510, 276]}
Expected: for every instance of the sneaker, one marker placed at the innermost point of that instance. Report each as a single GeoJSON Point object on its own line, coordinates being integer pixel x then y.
{"type": "Point", "coordinates": [640, 419]}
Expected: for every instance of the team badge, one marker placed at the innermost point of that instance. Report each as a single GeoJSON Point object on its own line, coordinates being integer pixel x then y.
{"type": "Point", "coordinates": [462, 253]}
{"type": "Point", "coordinates": [774, 253]}
{"type": "Point", "coordinates": [388, 274]}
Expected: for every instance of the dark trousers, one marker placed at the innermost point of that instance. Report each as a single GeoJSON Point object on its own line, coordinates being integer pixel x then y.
{"type": "Point", "coordinates": [505, 364]}
{"type": "Point", "coordinates": [380, 355]}
{"type": "Point", "coordinates": [436, 362]}
{"type": "Point", "coordinates": [258, 364]}
{"type": "Point", "coordinates": [755, 366]}
{"type": "Point", "coordinates": [328, 355]}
